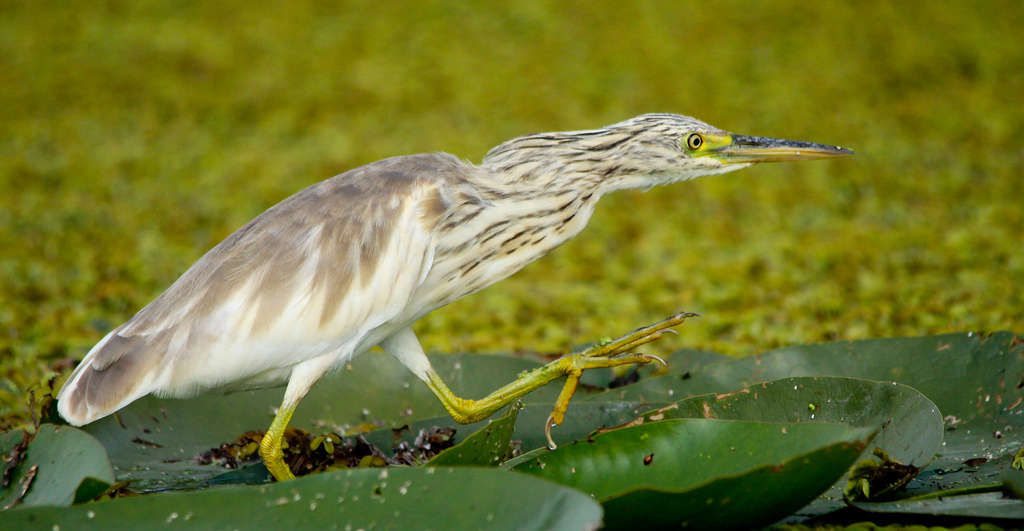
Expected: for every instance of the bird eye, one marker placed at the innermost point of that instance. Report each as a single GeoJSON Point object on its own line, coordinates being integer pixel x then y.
{"type": "Point", "coordinates": [694, 141]}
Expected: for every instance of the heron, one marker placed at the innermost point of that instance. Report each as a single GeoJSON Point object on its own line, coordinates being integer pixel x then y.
{"type": "Point", "coordinates": [352, 262]}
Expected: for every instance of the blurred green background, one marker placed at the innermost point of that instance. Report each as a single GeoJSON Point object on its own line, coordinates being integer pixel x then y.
{"type": "Point", "coordinates": [134, 136]}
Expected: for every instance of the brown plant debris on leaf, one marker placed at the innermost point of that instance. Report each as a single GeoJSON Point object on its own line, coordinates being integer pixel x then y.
{"type": "Point", "coordinates": [873, 480]}
{"type": "Point", "coordinates": [243, 450]}
{"type": "Point", "coordinates": [26, 483]}
{"type": "Point", "coordinates": [13, 458]}
{"type": "Point", "coordinates": [305, 453]}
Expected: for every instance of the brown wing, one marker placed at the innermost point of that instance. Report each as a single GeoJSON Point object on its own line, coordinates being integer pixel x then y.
{"type": "Point", "coordinates": [310, 276]}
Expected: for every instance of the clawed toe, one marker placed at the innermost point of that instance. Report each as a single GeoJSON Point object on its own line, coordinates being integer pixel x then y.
{"type": "Point", "coordinates": [652, 357]}
{"type": "Point", "coordinates": [547, 431]}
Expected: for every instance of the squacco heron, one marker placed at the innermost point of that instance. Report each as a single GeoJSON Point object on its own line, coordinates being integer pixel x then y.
{"type": "Point", "coordinates": [352, 262]}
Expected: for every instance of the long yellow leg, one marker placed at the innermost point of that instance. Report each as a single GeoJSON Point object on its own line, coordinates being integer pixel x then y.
{"type": "Point", "coordinates": [302, 378]}
{"type": "Point", "coordinates": [270, 446]}
{"type": "Point", "coordinates": [403, 345]}
{"type": "Point", "coordinates": [609, 354]}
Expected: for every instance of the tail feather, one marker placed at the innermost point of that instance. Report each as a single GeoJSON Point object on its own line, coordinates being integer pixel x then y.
{"type": "Point", "coordinates": [116, 372]}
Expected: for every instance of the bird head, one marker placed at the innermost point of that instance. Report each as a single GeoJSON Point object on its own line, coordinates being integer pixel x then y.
{"type": "Point", "coordinates": [642, 152]}
{"type": "Point", "coordinates": [660, 149]}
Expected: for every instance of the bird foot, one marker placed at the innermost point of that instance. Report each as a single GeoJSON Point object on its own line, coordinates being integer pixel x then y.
{"type": "Point", "coordinates": [634, 339]}
{"type": "Point", "coordinates": [607, 354]}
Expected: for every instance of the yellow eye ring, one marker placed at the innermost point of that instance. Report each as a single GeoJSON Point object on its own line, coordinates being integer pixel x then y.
{"type": "Point", "coordinates": [694, 141]}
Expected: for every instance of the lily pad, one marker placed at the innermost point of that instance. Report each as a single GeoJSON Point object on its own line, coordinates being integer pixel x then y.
{"type": "Point", "coordinates": [719, 474]}
{"type": "Point", "coordinates": [974, 505]}
{"type": "Point", "coordinates": [61, 464]}
{"type": "Point", "coordinates": [1013, 481]}
{"type": "Point", "coordinates": [399, 498]}
{"type": "Point", "coordinates": [976, 381]}
{"type": "Point", "coordinates": [910, 424]}
{"type": "Point", "coordinates": [956, 371]}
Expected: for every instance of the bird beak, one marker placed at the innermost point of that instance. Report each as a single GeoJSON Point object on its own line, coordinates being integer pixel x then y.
{"type": "Point", "coordinates": [750, 149]}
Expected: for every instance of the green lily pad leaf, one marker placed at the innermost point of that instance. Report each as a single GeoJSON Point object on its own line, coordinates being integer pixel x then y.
{"type": "Point", "coordinates": [959, 372]}
{"type": "Point", "coordinates": [704, 473]}
{"type": "Point", "coordinates": [61, 464]}
{"type": "Point", "coordinates": [1013, 481]}
{"type": "Point", "coordinates": [485, 447]}
{"type": "Point", "coordinates": [976, 381]}
{"type": "Point", "coordinates": [981, 505]}
{"type": "Point", "coordinates": [396, 498]}
{"type": "Point", "coordinates": [89, 489]}
{"type": "Point", "coordinates": [10, 439]}
{"type": "Point", "coordinates": [911, 425]}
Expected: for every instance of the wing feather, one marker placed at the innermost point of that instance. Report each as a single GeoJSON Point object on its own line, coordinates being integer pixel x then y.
{"type": "Point", "coordinates": [329, 271]}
